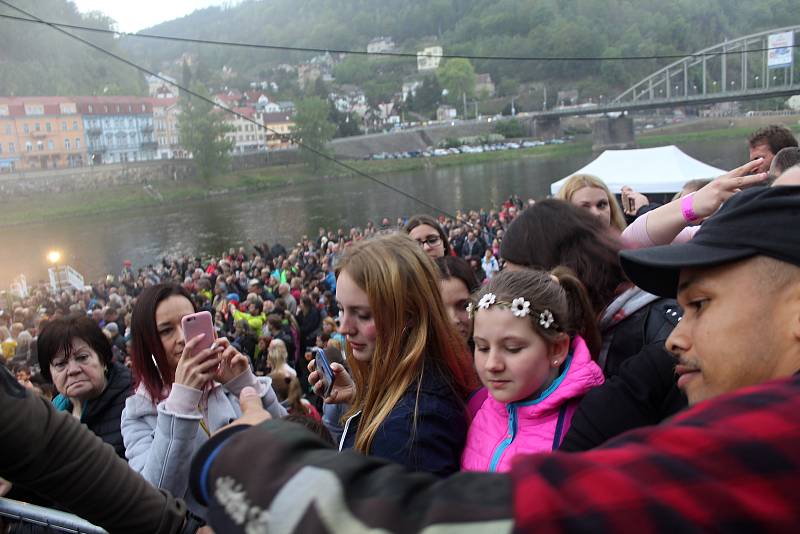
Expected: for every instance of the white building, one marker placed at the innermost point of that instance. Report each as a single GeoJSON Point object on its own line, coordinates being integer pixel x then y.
{"type": "Point", "coordinates": [380, 44]}
{"type": "Point", "coordinates": [158, 88]}
{"type": "Point", "coordinates": [429, 58]}
{"type": "Point", "coordinates": [410, 89]}
{"type": "Point", "coordinates": [246, 136]}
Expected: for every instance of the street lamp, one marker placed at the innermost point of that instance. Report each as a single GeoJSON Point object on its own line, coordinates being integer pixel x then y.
{"type": "Point", "coordinates": [54, 257]}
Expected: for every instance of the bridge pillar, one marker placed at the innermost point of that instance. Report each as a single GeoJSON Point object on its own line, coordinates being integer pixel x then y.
{"type": "Point", "coordinates": [613, 133]}
{"type": "Point", "coordinates": [545, 128]}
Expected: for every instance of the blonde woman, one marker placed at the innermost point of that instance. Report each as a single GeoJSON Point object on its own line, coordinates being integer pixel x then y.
{"type": "Point", "coordinates": [277, 359]}
{"type": "Point", "coordinates": [591, 193]}
{"type": "Point", "coordinates": [410, 370]}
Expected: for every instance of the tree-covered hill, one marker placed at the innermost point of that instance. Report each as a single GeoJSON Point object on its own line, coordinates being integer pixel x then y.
{"type": "Point", "coordinates": [37, 60]}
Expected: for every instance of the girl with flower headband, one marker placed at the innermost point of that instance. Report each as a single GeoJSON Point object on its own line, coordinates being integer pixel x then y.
{"type": "Point", "coordinates": [536, 340]}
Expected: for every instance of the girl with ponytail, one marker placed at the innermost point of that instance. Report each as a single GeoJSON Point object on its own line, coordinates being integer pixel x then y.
{"type": "Point", "coordinates": [536, 342]}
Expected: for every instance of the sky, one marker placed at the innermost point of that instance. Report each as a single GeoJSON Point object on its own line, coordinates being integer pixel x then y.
{"type": "Point", "coordinates": [132, 16]}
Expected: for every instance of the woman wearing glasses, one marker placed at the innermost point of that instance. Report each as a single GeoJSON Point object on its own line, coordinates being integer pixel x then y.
{"type": "Point", "coordinates": [426, 231]}
{"type": "Point", "coordinates": [74, 353]}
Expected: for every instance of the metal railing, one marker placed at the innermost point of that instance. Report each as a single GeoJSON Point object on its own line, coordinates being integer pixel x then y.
{"type": "Point", "coordinates": [19, 512]}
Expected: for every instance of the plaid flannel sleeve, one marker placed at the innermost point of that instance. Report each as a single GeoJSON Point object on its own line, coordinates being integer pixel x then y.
{"type": "Point", "coordinates": [727, 465]}
{"type": "Point", "coordinates": [731, 464]}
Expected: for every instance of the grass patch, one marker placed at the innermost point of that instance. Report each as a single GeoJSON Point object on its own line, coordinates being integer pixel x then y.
{"type": "Point", "coordinates": [742, 132]}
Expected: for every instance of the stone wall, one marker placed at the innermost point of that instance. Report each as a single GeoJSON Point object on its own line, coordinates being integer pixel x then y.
{"type": "Point", "coordinates": [29, 183]}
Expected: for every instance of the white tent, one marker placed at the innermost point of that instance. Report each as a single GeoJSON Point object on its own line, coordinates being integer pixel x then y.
{"type": "Point", "coordinates": [647, 170]}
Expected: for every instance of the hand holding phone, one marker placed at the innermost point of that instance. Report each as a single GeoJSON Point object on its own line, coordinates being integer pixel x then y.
{"type": "Point", "coordinates": [322, 365]}
{"type": "Point", "coordinates": [200, 360]}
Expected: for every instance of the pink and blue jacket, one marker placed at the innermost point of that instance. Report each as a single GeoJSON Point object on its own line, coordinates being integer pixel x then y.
{"type": "Point", "coordinates": [501, 431]}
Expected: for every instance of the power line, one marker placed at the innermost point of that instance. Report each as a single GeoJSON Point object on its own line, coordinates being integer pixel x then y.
{"type": "Point", "coordinates": [407, 55]}
{"type": "Point", "coordinates": [235, 113]}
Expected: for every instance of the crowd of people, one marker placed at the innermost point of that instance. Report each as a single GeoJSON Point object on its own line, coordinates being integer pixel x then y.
{"type": "Point", "coordinates": [569, 348]}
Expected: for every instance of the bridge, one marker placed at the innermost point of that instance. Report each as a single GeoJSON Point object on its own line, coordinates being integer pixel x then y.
{"type": "Point", "coordinates": [733, 70]}
{"type": "Point", "coordinates": [729, 71]}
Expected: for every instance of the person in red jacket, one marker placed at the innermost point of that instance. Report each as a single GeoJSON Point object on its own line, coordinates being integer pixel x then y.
{"type": "Point", "coordinates": [728, 463]}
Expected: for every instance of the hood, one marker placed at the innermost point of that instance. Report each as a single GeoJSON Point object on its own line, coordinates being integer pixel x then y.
{"type": "Point", "coordinates": [579, 374]}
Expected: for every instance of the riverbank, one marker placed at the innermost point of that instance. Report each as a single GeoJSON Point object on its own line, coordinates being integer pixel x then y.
{"type": "Point", "coordinates": [54, 207]}
{"type": "Point", "coordinates": [50, 208]}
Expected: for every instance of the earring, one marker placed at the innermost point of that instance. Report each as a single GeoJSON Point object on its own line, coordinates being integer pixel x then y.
{"type": "Point", "coordinates": [555, 362]}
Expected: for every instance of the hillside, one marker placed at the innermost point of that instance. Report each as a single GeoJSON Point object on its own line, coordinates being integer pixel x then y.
{"type": "Point", "coordinates": [481, 27]}
{"type": "Point", "coordinates": [37, 60]}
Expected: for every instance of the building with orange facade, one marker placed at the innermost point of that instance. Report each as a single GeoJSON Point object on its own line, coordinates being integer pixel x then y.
{"type": "Point", "coordinates": [48, 133]}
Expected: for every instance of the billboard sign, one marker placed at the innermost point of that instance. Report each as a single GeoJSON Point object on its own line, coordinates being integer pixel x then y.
{"type": "Point", "coordinates": [781, 50]}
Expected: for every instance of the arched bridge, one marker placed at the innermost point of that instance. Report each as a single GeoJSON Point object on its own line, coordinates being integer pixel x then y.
{"type": "Point", "coordinates": [732, 70]}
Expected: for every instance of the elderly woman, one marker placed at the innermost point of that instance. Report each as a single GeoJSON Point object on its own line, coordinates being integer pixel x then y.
{"type": "Point", "coordinates": [76, 356]}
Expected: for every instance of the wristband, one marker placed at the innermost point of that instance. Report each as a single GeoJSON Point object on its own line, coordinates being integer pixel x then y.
{"type": "Point", "coordinates": [687, 208]}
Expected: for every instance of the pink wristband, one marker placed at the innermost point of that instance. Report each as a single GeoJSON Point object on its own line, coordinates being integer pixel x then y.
{"type": "Point", "coordinates": [687, 203]}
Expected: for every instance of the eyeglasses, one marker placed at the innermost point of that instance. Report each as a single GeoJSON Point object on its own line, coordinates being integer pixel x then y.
{"type": "Point", "coordinates": [431, 241]}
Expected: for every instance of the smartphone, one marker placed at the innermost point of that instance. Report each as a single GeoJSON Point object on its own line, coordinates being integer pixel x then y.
{"type": "Point", "coordinates": [198, 323]}
{"type": "Point", "coordinates": [326, 373]}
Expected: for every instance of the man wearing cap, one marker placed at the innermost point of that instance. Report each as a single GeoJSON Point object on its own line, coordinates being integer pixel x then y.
{"type": "Point", "coordinates": [730, 463]}
{"type": "Point", "coordinates": [738, 282]}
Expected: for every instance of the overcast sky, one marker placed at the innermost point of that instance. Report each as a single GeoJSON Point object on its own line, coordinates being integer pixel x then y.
{"type": "Point", "coordinates": [132, 16]}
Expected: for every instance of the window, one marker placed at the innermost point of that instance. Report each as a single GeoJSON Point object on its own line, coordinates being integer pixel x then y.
{"type": "Point", "coordinates": [118, 108]}
{"type": "Point", "coordinates": [74, 125]}
{"type": "Point", "coordinates": [50, 145]}
{"type": "Point", "coordinates": [39, 146]}
{"type": "Point", "coordinates": [144, 108]}
{"type": "Point", "coordinates": [66, 144]}
{"type": "Point", "coordinates": [8, 129]}
{"type": "Point", "coordinates": [89, 107]}
{"type": "Point", "coordinates": [28, 146]}
{"type": "Point", "coordinates": [11, 149]}
{"type": "Point", "coordinates": [64, 126]}
{"type": "Point", "coordinates": [77, 143]}
{"type": "Point", "coordinates": [37, 127]}
{"type": "Point", "coordinates": [1, 148]}
{"type": "Point", "coordinates": [48, 127]}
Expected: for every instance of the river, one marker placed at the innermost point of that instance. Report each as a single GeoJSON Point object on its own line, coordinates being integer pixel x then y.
{"type": "Point", "coordinates": [98, 244]}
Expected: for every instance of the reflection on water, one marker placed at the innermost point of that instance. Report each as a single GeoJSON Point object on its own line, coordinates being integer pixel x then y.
{"type": "Point", "coordinates": [99, 244]}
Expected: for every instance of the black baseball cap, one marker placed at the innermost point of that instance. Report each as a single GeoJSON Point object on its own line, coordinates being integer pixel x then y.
{"type": "Point", "coordinates": [761, 221]}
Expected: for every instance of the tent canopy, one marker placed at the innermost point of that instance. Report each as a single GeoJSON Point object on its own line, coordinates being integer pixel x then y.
{"type": "Point", "coordinates": [647, 170]}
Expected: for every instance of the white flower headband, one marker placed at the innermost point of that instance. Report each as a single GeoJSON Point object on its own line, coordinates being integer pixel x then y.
{"type": "Point", "coordinates": [519, 307]}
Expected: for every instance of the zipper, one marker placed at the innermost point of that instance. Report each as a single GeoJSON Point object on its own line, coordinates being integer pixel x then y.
{"type": "Point", "coordinates": [346, 427]}
{"type": "Point", "coordinates": [506, 442]}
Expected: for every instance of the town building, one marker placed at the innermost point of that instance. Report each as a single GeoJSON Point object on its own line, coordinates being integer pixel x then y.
{"type": "Point", "coordinates": [446, 113]}
{"type": "Point", "coordinates": [484, 86]}
{"type": "Point", "coordinates": [279, 128]}
{"type": "Point", "coordinates": [245, 136]}
{"type": "Point", "coordinates": [410, 89]}
{"type": "Point", "coordinates": [166, 129]}
{"type": "Point", "coordinates": [158, 88]}
{"type": "Point", "coordinates": [118, 128]}
{"type": "Point", "coordinates": [41, 133]}
{"type": "Point", "coordinates": [429, 58]}
{"type": "Point", "coordinates": [380, 44]}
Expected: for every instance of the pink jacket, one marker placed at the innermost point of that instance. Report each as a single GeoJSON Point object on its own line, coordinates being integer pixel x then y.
{"type": "Point", "coordinates": [501, 431]}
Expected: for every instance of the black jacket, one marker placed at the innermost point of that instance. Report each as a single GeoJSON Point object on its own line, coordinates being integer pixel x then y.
{"type": "Point", "coordinates": [103, 414]}
{"type": "Point", "coordinates": [52, 454]}
{"type": "Point", "coordinates": [423, 433]}
{"type": "Point", "coordinates": [641, 387]}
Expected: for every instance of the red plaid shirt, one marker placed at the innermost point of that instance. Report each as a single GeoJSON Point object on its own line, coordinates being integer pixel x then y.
{"type": "Point", "coordinates": [728, 465]}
